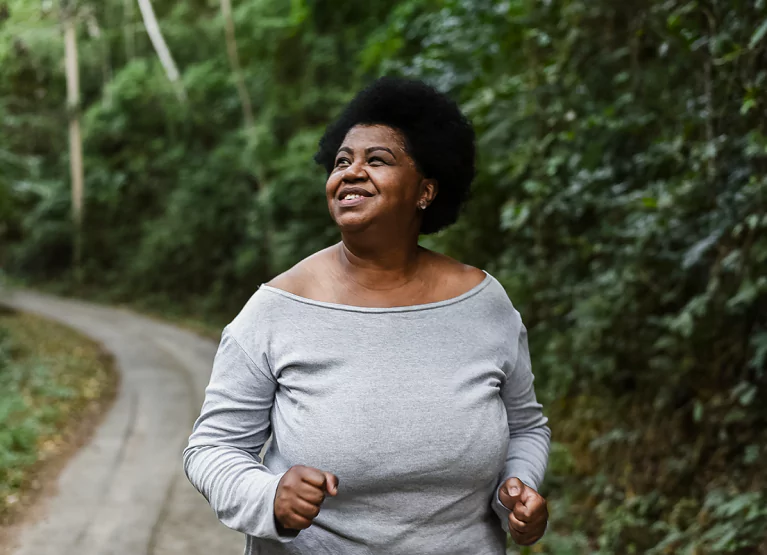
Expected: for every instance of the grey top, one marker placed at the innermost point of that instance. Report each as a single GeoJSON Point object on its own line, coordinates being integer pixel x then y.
{"type": "Point", "coordinates": [421, 411]}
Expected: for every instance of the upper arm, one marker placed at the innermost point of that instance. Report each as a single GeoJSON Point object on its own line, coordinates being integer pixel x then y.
{"type": "Point", "coordinates": [238, 401]}
{"type": "Point", "coordinates": [518, 392]}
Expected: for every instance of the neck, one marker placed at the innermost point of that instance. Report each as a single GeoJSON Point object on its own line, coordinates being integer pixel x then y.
{"type": "Point", "coordinates": [379, 265]}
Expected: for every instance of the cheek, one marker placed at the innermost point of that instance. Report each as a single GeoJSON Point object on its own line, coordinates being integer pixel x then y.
{"type": "Point", "coordinates": [398, 185]}
{"type": "Point", "coordinates": [332, 184]}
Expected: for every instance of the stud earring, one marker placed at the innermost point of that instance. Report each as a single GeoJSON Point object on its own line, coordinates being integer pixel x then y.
{"type": "Point", "coordinates": [422, 205]}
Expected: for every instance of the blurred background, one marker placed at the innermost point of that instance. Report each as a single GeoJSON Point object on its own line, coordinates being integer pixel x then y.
{"type": "Point", "coordinates": [160, 155]}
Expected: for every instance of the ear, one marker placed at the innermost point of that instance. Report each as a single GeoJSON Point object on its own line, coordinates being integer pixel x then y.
{"type": "Point", "coordinates": [429, 190]}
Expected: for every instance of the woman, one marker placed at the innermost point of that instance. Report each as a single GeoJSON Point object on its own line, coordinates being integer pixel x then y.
{"type": "Point", "coordinates": [395, 381]}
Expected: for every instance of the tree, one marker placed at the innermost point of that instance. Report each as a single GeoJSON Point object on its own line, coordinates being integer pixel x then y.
{"type": "Point", "coordinates": [158, 41]}
{"type": "Point", "coordinates": [234, 62]}
{"type": "Point", "coordinates": [69, 17]}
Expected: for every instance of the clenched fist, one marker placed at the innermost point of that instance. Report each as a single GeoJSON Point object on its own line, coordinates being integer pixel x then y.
{"type": "Point", "coordinates": [529, 514]}
{"type": "Point", "coordinates": [300, 493]}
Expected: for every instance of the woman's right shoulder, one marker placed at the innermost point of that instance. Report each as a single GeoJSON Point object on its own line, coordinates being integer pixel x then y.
{"type": "Point", "coordinates": [304, 278]}
{"type": "Point", "coordinates": [265, 305]}
{"type": "Point", "coordinates": [293, 281]}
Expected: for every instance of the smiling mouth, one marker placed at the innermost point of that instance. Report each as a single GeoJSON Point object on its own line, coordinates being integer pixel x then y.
{"type": "Point", "coordinates": [352, 195]}
{"type": "Point", "coordinates": [352, 199]}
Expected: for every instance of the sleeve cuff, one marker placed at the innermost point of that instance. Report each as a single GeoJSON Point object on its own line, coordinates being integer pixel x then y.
{"type": "Point", "coordinates": [269, 528]}
{"type": "Point", "coordinates": [500, 509]}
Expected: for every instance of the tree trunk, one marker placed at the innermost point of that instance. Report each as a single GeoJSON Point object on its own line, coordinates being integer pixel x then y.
{"type": "Point", "coordinates": [155, 35]}
{"type": "Point", "coordinates": [106, 68]}
{"type": "Point", "coordinates": [128, 30]}
{"type": "Point", "coordinates": [234, 62]}
{"type": "Point", "coordinates": [75, 138]}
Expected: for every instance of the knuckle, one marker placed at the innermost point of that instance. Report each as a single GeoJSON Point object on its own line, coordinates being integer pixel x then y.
{"type": "Point", "coordinates": [286, 489]}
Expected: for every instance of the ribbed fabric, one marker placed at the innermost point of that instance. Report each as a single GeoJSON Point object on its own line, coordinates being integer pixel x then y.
{"type": "Point", "coordinates": [421, 411]}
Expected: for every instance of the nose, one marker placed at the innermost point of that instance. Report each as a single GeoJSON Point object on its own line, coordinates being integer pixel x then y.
{"type": "Point", "coordinates": [354, 173]}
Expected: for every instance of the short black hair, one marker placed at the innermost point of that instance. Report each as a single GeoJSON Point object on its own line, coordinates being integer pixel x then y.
{"type": "Point", "coordinates": [438, 137]}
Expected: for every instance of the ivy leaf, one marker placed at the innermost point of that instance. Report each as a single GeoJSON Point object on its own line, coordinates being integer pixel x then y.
{"type": "Point", "coordinates": [694, 254]}
{"type": "Point", "coordinates": [758, 34]}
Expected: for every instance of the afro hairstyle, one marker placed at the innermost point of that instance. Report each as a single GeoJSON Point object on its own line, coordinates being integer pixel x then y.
{"type": "Point", "coordinates": [438, 137]}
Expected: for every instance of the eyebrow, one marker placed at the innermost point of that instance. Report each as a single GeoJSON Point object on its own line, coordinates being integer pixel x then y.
{"type": "Point", "coordinates": [374, 148]}
{"type": "Point", "coordinates": [368, 150]}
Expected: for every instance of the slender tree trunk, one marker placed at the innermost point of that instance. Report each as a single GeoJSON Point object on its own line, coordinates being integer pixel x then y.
{"type": "Point", "coordinates": [75, 138]}
{"type": "Point", "coordinates": [708, 92]}
{"type": "Point", "coordinates": [128, 30]}
{"type": "Point", "coordinates": [234, 62]}
{"type": "Point", "coordinates": [155, 35]}
{"type": "Point", "coordinates": [106, 67]}
{"type": "Point", "coordinates": [248, 119]}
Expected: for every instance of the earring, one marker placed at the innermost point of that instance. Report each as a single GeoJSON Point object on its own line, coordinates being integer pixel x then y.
{"type": "Point", "coordinates": [422, 205]}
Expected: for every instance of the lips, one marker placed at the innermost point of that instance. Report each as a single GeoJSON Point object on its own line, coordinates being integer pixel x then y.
{"type": "Point", "coordinates": [353, 193]}
{"type": "Point", "coordinates": [352, 196]}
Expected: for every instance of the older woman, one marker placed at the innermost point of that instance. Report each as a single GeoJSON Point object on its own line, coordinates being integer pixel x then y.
{"type": "Point", "coordinates": [395, 382]}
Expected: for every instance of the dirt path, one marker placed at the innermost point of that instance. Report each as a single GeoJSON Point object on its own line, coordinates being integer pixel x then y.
{"type": "Point", "coordinates": [125, 493]}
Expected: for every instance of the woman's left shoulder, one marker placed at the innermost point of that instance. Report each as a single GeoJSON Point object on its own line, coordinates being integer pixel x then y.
{"type": "Point", "coordinates": [454, 277]}
{"type": "Point", "coordinates": [463, 277]}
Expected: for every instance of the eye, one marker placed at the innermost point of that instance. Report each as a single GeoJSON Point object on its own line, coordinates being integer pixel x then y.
{"type": "Point", "coordinates": [376, 161]}
{"type": "Point", "coordinates": [342, 161]}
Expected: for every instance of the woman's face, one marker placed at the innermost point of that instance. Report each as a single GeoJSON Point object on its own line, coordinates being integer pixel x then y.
{"type": "Point", "coordinates": [374, 181]}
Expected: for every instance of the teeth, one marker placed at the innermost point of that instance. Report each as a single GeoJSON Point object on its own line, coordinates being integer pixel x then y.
{"type": "Point", "coordinates": [351, 197]}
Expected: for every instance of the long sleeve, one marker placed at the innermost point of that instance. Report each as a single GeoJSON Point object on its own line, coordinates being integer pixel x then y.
{"type": "Point", "coordinates": [222, 458]}
{"type": "Point", "coordinates": [529, 437]}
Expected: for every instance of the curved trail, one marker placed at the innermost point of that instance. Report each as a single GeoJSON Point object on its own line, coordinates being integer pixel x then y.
{"type": "Point", "coordinates": [125, 493]}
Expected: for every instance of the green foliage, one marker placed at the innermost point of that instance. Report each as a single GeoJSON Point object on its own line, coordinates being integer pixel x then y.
{"type": "Point", "coordinates": [728, 522]}
{"type": "Point", "coordinates": [621, 198]}
{"type": "Point", "coordinates": [22, 420]}
{"type": "Point", "coordinates": [50, 379]}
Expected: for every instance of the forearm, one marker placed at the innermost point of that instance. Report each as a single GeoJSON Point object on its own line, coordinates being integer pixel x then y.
{"type": "Point", "coordinates": [239, 489]}
{"type": "Point", "coordinates": [528, 455]}
{"type": "Point", "coordinates": [527, 459]}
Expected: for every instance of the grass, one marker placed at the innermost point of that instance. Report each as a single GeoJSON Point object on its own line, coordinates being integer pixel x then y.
{"type": "Point", "coordinates": [54, 384]}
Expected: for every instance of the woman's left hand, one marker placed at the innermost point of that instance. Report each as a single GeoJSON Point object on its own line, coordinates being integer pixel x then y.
{"type": "Point", "coordinates": [529, 514]}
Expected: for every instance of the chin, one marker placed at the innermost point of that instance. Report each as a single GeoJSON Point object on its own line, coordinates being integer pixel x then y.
{"type": "Point", "coordinates": [352, 223]}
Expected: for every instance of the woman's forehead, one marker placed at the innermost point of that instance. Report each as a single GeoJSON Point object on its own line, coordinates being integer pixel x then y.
{"type": "Point", "coordinates": [363, 136]}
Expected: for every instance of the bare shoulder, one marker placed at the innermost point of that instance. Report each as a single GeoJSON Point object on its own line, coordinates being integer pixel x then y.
{"type": "Point", "coordinates": [454, 278]}
{"type": "Point", "coordinates": [306, 277]}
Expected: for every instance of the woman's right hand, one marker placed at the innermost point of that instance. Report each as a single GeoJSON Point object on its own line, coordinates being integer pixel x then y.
{"type": "Point", "coordinates": [300, 493]}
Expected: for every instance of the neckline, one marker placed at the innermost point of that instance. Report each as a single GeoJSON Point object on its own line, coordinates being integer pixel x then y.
{"type": "Point", "coordinates": [382, 309]}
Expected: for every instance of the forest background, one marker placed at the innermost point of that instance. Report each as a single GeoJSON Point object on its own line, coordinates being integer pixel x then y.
{"type": "Point", "coordinates": [621, 199]}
